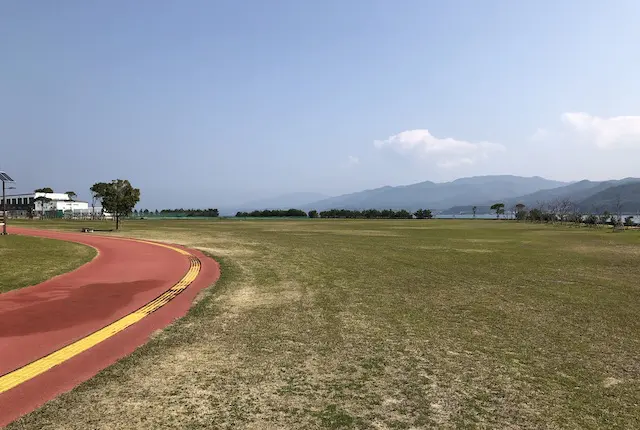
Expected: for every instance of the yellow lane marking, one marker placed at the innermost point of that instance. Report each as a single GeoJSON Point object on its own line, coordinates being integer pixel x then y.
{"type": "Point", "coordinates": [35, 368]}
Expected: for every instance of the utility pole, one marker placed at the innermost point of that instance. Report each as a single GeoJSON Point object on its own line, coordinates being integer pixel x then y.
{"type": "Point", "coordinates": [4, 210]}
{"type": "Point", "coordinates": [4, 178]}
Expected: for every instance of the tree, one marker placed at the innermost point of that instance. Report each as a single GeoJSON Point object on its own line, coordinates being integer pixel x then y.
{"type": "Point", "coordinates": [423, 214]}
{"type": "Point", "coordinates": [98, 191]}
{"type": "Point", "coordinates": [403, 214]}
{"type": "Point", "coordinates": [564, 208]}
{"type": "Point", "coordinates": [618, 211]}
{"type": "Point", "coordinates": [42, 200]}
{"type": "Point", "coordinates": [44, 190]}
{"type": "Point", "coordinates": [520, 211]}
{"type": "Point", "coordinates": [498, 208]}
{"type": "Point", "coordinates": [72, 195]}
{"type": "Point", "coordinates": [594, 215]}
{"type": "Point", "coordinates": [591, 220]}
{"type": "Point", "coordinates": [474, 209]}
{"type": "Point", "coordinates": [313, 214]}
{"type": "Point", "coordinates": [118, 197]}
{"type": "Point", "coordinates": [535, 215]}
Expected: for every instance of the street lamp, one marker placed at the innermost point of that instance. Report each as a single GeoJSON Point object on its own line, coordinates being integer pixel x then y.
{"type": "Point", "coordinates": [4, 178]}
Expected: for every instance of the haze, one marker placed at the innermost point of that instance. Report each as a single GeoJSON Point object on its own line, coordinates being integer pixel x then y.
{"type": "Point", "coordinates": [207, 104]}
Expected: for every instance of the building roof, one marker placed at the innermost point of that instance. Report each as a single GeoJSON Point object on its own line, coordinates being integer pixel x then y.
{"type": "Point", "coordinates": [53, 196]}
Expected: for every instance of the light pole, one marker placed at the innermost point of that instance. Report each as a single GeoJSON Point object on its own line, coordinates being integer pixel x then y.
{"type": "Point", "coordinates": [4, 178]}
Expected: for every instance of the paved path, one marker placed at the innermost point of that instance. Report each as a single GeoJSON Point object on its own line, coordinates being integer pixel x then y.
{"type": "Point", "coordinates": [61, 332]}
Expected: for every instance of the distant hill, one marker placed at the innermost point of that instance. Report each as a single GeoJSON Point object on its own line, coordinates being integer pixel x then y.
{"type": "Point", "coordinates": [460, 195]}
{"type": "Point", "coordinates": [628, 194]}
{"type": "Point", "coordinates": [577, 192]}
{"type": "Point", "coordinates": [438, 195]}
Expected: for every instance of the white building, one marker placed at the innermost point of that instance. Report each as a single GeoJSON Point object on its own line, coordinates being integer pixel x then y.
{"type": "Point", "coordinates": [51, 205]}
{"type": "Point", "coordinates": [58, 202]}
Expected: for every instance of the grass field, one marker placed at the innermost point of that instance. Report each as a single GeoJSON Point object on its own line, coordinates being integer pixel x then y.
{"type": "Point", "coordinates": [384, 324]}
{"type": "Point", "coordinates": [26, 261]}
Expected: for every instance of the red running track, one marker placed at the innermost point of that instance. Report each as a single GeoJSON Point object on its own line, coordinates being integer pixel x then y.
{"type": "Point", "coordinates": [38, 320]}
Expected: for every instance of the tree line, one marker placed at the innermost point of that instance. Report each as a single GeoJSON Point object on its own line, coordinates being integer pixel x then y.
{"type": "Point", "coordinates": [210, 212]}
{"type": "Point", "coordinates": [341, 213]}
{"type": "Point", "coordinates": [270, 213]}
{"type": "Point", "coordinates": [377, 214]}
{"type": "Point", "coordinates": [564, 211]}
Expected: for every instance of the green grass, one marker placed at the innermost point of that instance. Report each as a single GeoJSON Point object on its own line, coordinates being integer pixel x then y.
{"type": "Point", "coordinates": [384, 324]}
{"type": "Point", "coordinates": [26, 261]}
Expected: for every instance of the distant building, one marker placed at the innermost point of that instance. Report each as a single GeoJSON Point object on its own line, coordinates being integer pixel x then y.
{"type": "Point", "coordinates": [57, 202]}
{"type": "Point", "coordinates": [18, 204]}
{"type": "Point", "coordinates": [48, 204]}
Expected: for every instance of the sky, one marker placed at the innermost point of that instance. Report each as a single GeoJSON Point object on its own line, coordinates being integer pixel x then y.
{"type": "Point", "coordinates": [210, 103]}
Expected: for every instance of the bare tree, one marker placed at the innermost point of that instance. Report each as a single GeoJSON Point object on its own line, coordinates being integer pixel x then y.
{"type": "Point", "coordinates": [554, 208]}
{"type": "Point", "coordinates": [566, 209]}
{"type": "Point", "coordinates": [595, 214]}
{"type": "Point", "coordinates": [519, 211]}
{"type": "Point", "coordinates": [604, 217]}
{"type": "Point", "coordinates": [617, 224]}
{"type": "Point", "coordinates": [538, 212]}
{"type": "Point", "coordinates": [576, 214]}
{"type": "Point", "coordinates": [561, 207]}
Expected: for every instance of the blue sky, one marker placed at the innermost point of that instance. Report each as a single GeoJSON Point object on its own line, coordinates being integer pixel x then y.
{"type": "Point", "coordinates": [211, 103]}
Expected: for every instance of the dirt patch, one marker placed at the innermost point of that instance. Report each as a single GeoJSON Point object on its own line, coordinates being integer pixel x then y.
{"type": "Point", "coordinates": [610, 382]}
{"type": "Point", "coordinates": [361, 232]}
{"type": "Point", "coordinates": [484, 240]}
{"type": "Point", "coordinates": [250, 297]}
{"type": "Point", "coordinates": [423, 227]}
{"type": "Point", "coordinates": [227, 251]}
{"type": "Point", "coordinates": [597, 248]}
{"type": "Point", "coordinates": [346, 232]}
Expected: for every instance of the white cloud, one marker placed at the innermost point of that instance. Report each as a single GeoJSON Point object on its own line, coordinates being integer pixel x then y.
{"type": "Point", "coordinates": [352, 161]}
{"type": "Point", "coordinates": [606, 133]}
{"type": "Point", "coordinates": [446, 152]}
{"type": "Point", "coordinates": [540, 135]}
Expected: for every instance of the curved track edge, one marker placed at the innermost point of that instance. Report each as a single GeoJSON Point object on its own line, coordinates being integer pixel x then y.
{"type": "Point", "coordinates": [85, 357]}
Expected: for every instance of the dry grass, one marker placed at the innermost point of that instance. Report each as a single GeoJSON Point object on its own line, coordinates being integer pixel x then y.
{"type": "Point", "coordinates": [322, 324]}
{"type": "Point", "coordinates": [26, 261]}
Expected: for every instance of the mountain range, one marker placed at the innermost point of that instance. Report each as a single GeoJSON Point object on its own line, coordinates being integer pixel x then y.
{"type": "Point", "coordinates": [437, 195]}
{"type": "Point", "coordinates": [460, 195]}
{"type": "Point", "coordinates": [587, 195]}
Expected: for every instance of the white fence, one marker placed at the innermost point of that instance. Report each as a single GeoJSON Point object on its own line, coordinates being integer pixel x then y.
{"type": "Point", "coordinates": [90, 213]}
